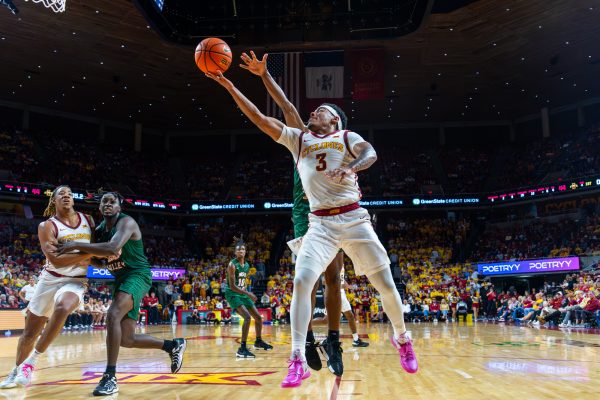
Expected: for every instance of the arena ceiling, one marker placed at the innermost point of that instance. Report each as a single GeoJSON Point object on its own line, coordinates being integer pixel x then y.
{"type": "Point", "coordinates": [488, 60]}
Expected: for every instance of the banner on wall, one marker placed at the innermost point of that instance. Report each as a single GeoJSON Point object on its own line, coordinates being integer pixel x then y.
{"type": "Point", "coordinates": [368, 74]}
{"type": "Point", "coordinates": [158, 274]}
{"type": "Point", "coordinates": [543, 266]}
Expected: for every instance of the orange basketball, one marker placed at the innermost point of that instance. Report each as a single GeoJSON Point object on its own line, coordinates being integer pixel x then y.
{"type": "Point", "coordinates": [213, 55]}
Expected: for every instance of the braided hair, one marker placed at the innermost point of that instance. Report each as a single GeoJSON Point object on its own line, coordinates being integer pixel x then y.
{"type": "Point", "coordinates": [51, 207]}
{"type": "Point", "coordinates": [95, 197]}
{"type": "Point", "coordinates": [238, 242]}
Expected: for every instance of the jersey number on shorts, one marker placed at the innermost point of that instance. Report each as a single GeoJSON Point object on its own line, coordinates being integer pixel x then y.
{"type": "Point", "coordinates": [322, 166]}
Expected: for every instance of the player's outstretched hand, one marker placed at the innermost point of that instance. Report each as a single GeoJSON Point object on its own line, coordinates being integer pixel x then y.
{"type": "Point", "coordinates": [338, 173]}
{"type": "Point", "coordinates": [220, 79]}
{"type": "Point", "coordinates": [253, 64]}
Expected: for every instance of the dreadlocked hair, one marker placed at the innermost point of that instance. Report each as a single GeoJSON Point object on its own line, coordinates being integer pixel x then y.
{"type": "Point", "coordinates": [238, 242]}
{"type": "Point", "coordinates": [95, 197]}
{"type": "Point", "coordinates": [51, 207]}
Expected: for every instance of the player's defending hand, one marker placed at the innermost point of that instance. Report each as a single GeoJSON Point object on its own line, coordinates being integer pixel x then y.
{"type": "Point", "coordinates": [253, 64]}
{"type": "Point", "coordinates": [221, 80]}
{"type": "Point", "coordinates": [338, 173]}
{"type": "Point", "coordinates": [63, 248]}
{"type": "Point", "coordinates": [51, 245]}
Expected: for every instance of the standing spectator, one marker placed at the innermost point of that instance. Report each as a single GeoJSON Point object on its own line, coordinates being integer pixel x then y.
{"type": "Point", "coordinates": [168, 293]}
{"type": "Point", "coordinates": [150, 303]}
{"type": "Point", "coordinates": [491, 310]}
{"type": "Point", "coordinates": [27, 291]}
{"type": "Point", "coordinates": [186, 291]}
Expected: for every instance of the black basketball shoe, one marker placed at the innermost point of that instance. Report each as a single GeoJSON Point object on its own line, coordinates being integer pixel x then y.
{"type": "Point", "coordinates": [312, 356]}
{"type": "Point", "coordinates": [177, 354]}
{"type": "Point", "coordinates": [243, 352]}
{"type": "Point", "coordinates": [359, 343]}
{"type": "Point", "coordinates": [260, 344]}
{"type": "Point", "coordinates": [332, 351]}
{"type": "Point", "coordinates": [106, 386]}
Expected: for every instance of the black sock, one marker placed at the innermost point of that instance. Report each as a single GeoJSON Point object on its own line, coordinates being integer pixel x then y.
{"type": "Point", "coordinates": [243, 344]}
{"type": "Point", "coordinates": [168, 345]}
{"type": "Point", "coordinates": [310, 337]}
{"type": "Point", "coordinates": [111, 370]}
{"type": "Point", "coordinates": [258, 339]}
{"type": "Point", "coordinates": [334, 335]}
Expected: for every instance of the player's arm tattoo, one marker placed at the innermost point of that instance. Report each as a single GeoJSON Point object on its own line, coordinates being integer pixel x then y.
{"type": "Point", "coordinates": [366, 156]}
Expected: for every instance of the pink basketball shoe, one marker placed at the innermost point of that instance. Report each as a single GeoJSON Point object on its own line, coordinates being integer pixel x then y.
{"type": "Point", "coordinates": [297, 371]}
{"type": "Point", "coordinates": [24, 375]}
{"type": "Point", "coordinates": [408, 360]}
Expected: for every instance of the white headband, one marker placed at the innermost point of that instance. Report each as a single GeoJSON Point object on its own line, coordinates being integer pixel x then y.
{"type": "Point", "coordinates": [335, 114]}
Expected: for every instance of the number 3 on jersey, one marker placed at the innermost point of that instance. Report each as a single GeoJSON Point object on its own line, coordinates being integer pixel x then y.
{"type": "Point", "coordinates": [322, 165]}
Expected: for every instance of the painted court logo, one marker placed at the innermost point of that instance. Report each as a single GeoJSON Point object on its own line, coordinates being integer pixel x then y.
{"type": "Point", "coordinates": [198, 378]}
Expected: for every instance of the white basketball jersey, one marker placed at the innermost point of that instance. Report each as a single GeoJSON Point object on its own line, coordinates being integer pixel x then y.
{"type": "Point", "coordinates": [316, 154]}
{"type": "Point", "coordinates": [80, 233]}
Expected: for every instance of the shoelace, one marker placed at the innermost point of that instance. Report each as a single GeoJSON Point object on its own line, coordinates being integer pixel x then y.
{"type": "Point", "coordinates": [27, 371]}
{"type": "Point", "coordinates": [291, 363]}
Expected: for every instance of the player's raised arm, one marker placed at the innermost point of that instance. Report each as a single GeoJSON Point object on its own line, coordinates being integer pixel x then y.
{"type": "Point", "coordinates": [270, 126]}
{"type": "Point", "coordinates": [259, 67]}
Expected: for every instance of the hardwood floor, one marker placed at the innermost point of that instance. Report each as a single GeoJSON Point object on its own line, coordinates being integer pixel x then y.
{"type": "Point", "coordinates": [455, 362]}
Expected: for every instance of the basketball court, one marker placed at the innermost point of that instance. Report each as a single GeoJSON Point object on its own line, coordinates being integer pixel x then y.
{"type": "Point", "coordinates": [455, 361]}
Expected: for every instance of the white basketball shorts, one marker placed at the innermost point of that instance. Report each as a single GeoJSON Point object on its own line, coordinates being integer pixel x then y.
{"type": "Point", "coordinates": [353, 233]}
{"type": "Point", "coordinates": [49, 289]}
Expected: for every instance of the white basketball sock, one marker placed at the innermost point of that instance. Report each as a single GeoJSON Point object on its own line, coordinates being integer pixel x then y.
{"type": "Point", "coordinates": [32, 359]}
{"type": "Point", "coordinates": [300, 310]}
{"type": "Point", "coordinates": [383, 282]}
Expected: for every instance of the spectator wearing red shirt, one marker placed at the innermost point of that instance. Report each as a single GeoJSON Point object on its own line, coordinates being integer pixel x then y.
{"type": "Point", "coordinates": [491, 310]}
{"type": "Point", "coordinates": [434, 310]}
{"type": "Point", "coordinates": [150, 304]}
{"type": "Point", "coordinates": [592, 306]}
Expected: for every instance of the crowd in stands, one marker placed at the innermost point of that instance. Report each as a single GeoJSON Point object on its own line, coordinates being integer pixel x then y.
{"type": "Point", "coordinates": [433, 285]}
{"type": "Point", "coordinates": [257, 175]}
{"type": "Point", "coordinates": [264, 176]}
{"type": "Point", "coordinates": [550, 160]}
{"type": "Point", "coordinates": [207, 180]}
{"type": "Point", "coordinates": [404, 171]}
{"type": "Point", "coordinates": [536, 238]}
{"type": "Point", "coordinates": [467, 168]}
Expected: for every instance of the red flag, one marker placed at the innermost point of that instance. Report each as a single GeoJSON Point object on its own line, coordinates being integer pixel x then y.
{"type": "Point", "coordinates": [368, 74]}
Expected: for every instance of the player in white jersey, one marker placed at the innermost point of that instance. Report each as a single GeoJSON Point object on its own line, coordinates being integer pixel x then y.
{"type": "Point", "coordinates": [60, 286]}
{"type": "Point", "coordinates": [327, 160]}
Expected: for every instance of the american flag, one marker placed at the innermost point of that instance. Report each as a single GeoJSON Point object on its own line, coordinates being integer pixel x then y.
{"type": "Point", "coordinates": [285, 69]}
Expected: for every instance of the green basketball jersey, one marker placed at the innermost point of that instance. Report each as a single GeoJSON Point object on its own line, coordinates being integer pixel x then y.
{"type": "Point", "coordinates": [131, 257]}
{"type": "Point", "coordinates": [241, 272]}
{"type": "Point", "coordinates": [301, 207]}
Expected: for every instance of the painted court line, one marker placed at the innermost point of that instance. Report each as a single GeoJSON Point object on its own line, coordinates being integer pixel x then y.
{"type": "Point", "coordinates": [463, 374]}
{"type": "Point", "coordinates": [336, 388]}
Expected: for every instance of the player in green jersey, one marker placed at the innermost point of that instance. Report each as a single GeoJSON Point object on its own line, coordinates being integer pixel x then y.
{"type": "Point", "coordinates": [120, 242]}
{"type": "Point", "coordinates": [242, 301]}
